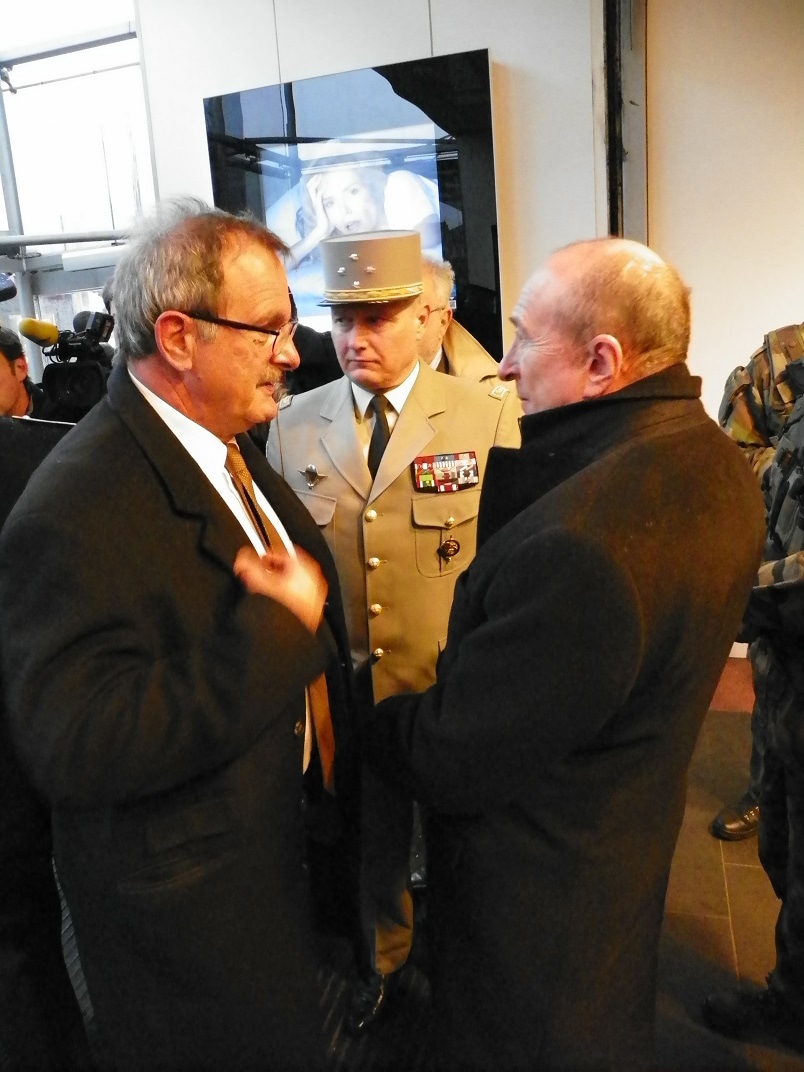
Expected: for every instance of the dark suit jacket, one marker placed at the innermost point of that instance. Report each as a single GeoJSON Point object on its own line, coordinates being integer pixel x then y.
{"type": "Point", "coordinates": [616, 551]}
{"type": "Point", "coordinates": [41, 1026]}
{"type": "Point", "coordinates": [161, 709]}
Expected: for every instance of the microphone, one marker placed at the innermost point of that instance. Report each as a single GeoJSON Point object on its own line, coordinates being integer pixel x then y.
{"type": "Point", "coordinates": [39, 331]}
{"type": "Point", "coordinates": [8, 288]}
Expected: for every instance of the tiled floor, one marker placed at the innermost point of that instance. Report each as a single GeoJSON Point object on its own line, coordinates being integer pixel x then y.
{"type": "Point", "coordinates": [720, 910]}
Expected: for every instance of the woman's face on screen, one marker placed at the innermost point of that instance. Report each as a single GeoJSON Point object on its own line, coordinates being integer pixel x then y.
{"type": "Point", "coordinates": [349, 203]}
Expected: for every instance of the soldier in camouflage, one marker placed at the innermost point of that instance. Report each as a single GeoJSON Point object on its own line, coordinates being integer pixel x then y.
{"type": "Point", "coordinates": [757, 402]}
{"type": "Point", "coordinates": [776, 611]}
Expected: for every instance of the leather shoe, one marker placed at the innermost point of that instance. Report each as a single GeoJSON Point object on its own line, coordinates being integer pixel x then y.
{"type": "Point", "coordinates": [756, 1016]}
{"type": "Point", "coordinates": [737, 821]}
{"type": "Point", "coordinates": [367, 1002]}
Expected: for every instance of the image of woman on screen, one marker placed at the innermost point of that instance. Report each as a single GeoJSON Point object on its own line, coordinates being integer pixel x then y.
{"type": "Point", "coordinates": [353, 197]}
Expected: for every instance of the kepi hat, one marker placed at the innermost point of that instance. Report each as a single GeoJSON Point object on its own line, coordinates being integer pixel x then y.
{"type": "Point", "coordinates": [373, 266]}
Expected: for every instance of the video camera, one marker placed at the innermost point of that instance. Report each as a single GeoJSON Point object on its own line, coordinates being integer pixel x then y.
{"type": "Point", "coordinates": [81, 361]}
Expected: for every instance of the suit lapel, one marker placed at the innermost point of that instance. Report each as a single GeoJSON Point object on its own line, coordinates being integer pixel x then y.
{"type": "Point", "coordinates": [340, 439]}
{"type": "Point", "coordinates": [191, 494]}
{"type": "Point", "coordinates": [413, 430]}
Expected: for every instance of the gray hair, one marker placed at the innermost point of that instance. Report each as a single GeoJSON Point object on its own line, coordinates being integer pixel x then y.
{"type": "Point", "coordinates": [174, 261]}
{"type": "Point", "coordinates": [441, 276]}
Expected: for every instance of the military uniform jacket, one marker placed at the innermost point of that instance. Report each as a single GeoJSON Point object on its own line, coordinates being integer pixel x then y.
{"type": "Point", "coordinates": [465, 356]}
{"type": "Point", "coordinates": [585, 642]}
{"type": "Point", "coordinates": [390, 541]}
{"type": "Point", "coordinates": [759, 397]}
{"type": "Point", "coordinates": [160, 709]}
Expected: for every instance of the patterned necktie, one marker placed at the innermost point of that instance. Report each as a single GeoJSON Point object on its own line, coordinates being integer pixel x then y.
{"type": "Point", "coordinates": [317, 694]}
{"type": "Point", "coordinates": [380, 434]}
{"type": "Point", "coordinates": [244, 485]}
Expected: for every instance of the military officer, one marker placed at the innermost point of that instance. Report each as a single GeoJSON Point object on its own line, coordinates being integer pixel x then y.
{"type": "Point", "coordinates": [444, 343]}
{"type": "Point", "coordinates": [389, 460]}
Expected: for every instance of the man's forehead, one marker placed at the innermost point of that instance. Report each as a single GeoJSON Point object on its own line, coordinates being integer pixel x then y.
{"type": "Point", "coordinates": [254, 273]}
{"type": "Point", "coordinates": [534, 298]}
{"type": "Point", "coordinates": [387, 310]}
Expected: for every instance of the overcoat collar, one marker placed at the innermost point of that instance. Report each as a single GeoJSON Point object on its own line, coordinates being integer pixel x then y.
{"type": "Point", "coordinates": [560, 442]}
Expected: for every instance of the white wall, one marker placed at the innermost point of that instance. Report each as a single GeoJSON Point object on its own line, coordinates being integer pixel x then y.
{"type": "Point", "coordinates": [550, 159]}
{"type": "Point", "coordinates": [725, 86]}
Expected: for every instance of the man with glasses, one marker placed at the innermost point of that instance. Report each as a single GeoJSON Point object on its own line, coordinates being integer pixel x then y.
{"type": "Point", "coordinates": [172, 717]}
{"type": "Point", "coordinates": [444, 343]}
{"type": "Point", "coordinates": [389, 460]}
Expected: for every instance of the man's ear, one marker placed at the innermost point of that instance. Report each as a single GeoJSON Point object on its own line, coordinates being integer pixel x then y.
{"type": "Point", "coordinates": [21, 368]}
{"type": "Point", "coordinates": [175, 339]}
{"type": "Point", "coordinates": [421, 320]}
{"type": "Point", "coordinates": [604, 363]}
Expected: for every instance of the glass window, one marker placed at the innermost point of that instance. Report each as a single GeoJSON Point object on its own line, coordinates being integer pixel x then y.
{"type": "Point", "coordinates": [79, 140]}
{"type": "Point", "coordinates": [26, 26]}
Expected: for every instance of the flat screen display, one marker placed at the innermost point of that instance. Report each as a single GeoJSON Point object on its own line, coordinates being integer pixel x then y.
{"type": "Point", "coordinates": [405, 146]}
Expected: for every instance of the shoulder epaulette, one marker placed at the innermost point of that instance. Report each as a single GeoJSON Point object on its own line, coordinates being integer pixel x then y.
{"type": "Point", "coordinates": [785, 345]}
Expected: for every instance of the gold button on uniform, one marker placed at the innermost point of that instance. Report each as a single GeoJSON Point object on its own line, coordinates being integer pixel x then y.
{"type": "Point", "coordinates": [373, 563]}
{"type": "Point", "coordinates": [375, 609]}
{"type": "Point", "coordinates": [378, 653]}
{"type": "Point", "coordinates": [449, 522]}
{"type": "Point", "coordinates": [371, 515]}
{"type": "Point", "coordinates": [298, 729]}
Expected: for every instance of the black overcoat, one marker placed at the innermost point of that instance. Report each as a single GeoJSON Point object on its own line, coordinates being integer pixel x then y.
{"type": "Point", "coordinates": [616, 552]}
{"type": "Point", "coordinates": [160, 709]}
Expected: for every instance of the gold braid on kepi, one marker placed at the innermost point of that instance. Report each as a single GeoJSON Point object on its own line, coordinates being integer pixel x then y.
{"type": "Point", "coordinates": [372, 266]}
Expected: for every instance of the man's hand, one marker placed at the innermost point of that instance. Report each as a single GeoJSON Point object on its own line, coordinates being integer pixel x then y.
{"type": "Point", "coordinates": [296, 582]}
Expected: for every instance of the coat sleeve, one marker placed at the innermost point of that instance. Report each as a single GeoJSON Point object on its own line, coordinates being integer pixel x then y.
{"type": "Point", "coordinates": [538, 659]}
{"type": "Point", "coordinates": [114, 689]}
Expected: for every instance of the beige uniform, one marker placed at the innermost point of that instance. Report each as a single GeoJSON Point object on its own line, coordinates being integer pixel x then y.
{"type": "Point", "coordinates": [464, 356]}
{"type": "Point", "coordinates": [399, 550]}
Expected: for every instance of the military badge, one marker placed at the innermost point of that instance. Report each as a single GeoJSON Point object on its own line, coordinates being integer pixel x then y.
{"type": "Point", "coordinates": [449, 549]}
{"type": "Point", "coordinates": [311, 475]}
{"type": "Point", "coordinates": [446, 472]}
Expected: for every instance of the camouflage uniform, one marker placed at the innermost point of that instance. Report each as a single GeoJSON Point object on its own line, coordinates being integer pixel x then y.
{"type": "Point", "coordinates": [757, 401]}
{"type": "Point", "coordinates": [776, 609]}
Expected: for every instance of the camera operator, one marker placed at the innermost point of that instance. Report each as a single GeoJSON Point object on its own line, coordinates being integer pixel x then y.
{"type": "Point", "coordinates": [79, 363]}
{"type": "Point", "coordinates": [19, 397]}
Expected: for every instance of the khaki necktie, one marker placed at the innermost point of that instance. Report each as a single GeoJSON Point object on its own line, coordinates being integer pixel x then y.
{"type": "Point", "coordinates": [244, 485]}
{"type": "Point", "coordinates": [317, 694]}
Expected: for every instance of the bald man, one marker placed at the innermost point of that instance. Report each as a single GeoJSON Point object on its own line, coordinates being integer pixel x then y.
{"type": "Point", "coordinates": [585, 642]}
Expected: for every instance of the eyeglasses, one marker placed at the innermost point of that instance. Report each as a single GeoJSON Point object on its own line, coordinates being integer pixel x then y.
{"type": "Point", "coordinates": [436, 308]}
{"type": "Point", "coordinates": [281, 336]}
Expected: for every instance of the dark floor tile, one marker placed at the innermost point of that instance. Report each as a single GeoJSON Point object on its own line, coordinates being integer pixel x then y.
{"type": "Point", "coordinates": [720, 763]}
{"type": "Point", "coordinates": [695, 956]}
{"type": "Point", "coordinates": [754, 908]}
{"type": "Point", "coordinates": [735, 690]}
{"type": "Point", "coordinates": [697, 884]}
{"type": "Point", "coordinates": [741, 852]}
